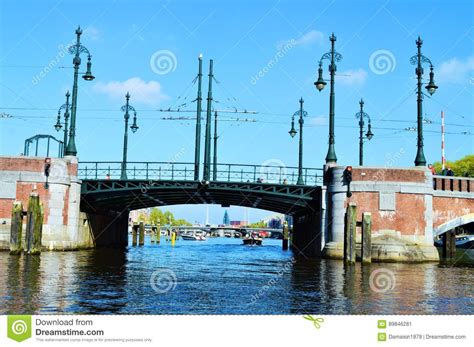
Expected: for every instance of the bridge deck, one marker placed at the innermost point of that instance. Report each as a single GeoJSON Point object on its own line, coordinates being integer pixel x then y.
{"type": "Point", "coordinates": [135, 194]}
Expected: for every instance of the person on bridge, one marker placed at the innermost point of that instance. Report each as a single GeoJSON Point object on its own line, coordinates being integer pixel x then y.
{"type": "Point", "coordinates": [449, 172]}
{"type": "Point", "coordinates": [432, 169]}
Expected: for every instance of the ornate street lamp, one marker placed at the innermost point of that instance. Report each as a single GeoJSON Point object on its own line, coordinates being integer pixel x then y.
{"type": "Point", "coordinates": [292, 133]}
{"type": "Point", "coordinates": [418, 60]}
{"type": "Point", "coordinates": [77, 49]}
{"type": "Point", "coordinates": [361, 114]}
{"type": "Point", "coordinates": [333, 57]}
{"type": "Point", "coordinates": [126, 108]}
{"type": "Point", "coordinates": [66, 107]}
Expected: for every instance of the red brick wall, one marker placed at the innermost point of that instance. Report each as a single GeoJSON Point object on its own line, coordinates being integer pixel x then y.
{"type": "Point", "coordinates": [388, 175]}
{"type": "Point", "coordinates": [22, 164]}
{"type": "Point", "coordinates": [66, 207]}
{"type": "Point", "coordinates": [448, 208]}
{"type": "Point", "coordinates": [23, 189]}
{"type": "Point", "coordinates": [72, 169]}
{"type": "Point", "coordinates": [6, 208]}
{"type": "Point", "coordinates": [408, 218]}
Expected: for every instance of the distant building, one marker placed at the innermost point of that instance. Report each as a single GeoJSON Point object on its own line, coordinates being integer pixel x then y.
{"type": "Point", "coordinates": [226, 220]}
{"type": "Point", "coordinates": [238, 223]}
{"type": "Point", "coordinates": [135, 214]}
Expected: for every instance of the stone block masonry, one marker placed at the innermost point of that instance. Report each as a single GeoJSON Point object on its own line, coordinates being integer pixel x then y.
{"type": "Point", "coordinates": [65, 227]}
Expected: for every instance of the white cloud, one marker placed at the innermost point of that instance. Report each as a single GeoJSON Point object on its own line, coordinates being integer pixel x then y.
{"type": "Point", "coordinates": [310, 37]}
{"type": "Point", "coordinates": [455, 71]}
{"type": "Point", "coordinates": [352, 78]}
{"type": "Point", "coordinates": [318, 120]}
{"type": "Point", "coordinates": [149, 93]}
{"type": "Point", "coordinates": [91, 33]}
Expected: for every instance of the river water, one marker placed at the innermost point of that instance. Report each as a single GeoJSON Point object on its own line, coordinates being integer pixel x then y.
{"type": "Point", "coordinates": [220, 276]}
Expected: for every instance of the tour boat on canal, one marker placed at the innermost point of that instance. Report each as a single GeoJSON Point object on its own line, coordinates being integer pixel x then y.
{"type": "Point", "coordinates": [193, 237]}
{"type": "Point", "coordinates": [252, 240]}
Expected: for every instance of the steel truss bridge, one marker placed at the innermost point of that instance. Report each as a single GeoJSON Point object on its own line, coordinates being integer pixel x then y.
{"type": "Point", "coordinates": [147, 184]}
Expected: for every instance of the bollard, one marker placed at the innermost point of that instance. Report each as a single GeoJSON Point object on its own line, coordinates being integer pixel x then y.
{"type": "Point", "coordinates": [173, 238]}
{"type": "Point", "coordinates": [449, 244]}
{"type": "Point", "coordinates": [34, 224]}
{"type": "Point", "coordinates": [366, 248]}
{"type": "Point", "coordinates": [134, 234]}
{"type": "Point", "coordinates": [350, 234]}
{"type": "Point", "coordinates": [158, 234]}
{"type": "Point", "coordinates": [284, 245]}
{"type": "Point", "coordinates": [16, 229]}
{"type": "Point", "coordinates": [152, 234]}
{"type": "Point", "coordinates": [141, 235]}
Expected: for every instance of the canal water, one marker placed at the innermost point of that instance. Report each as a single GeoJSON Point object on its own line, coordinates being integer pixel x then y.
{"type": "Point", "coordinates": [220, 276]}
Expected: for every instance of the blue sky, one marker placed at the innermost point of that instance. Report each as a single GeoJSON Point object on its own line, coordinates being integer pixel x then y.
{"type": "Point", "coordinates": [265, 58]}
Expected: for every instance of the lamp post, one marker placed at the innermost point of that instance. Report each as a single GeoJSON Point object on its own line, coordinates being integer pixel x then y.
{"type": "Point", "coordinates": [126, 108]}
{"type": "Point", "coordinates": [207, 139]}
{"type": "Point", "coordinates": [77, 49]}
{"type": "Point", "coordinates": [66, 107]}
{"type": "Point", "coordinates": [197, 149]}
{"type": "Point", "coordinates": [292, 133]}
{"type": "Point", "coordinates": [214, 161]}
{"type": "Point", "coordinates": [333, 57]}
{"type": "Point", "coordinates": [361, 114]}
{"type": "Point", "coordinates": [418, 60]}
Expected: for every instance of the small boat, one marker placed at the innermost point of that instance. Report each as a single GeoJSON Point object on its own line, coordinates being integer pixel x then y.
{"type": "Point", "coordinates": [462, 241]}
{"type": "Point", "coordinates": [252, 239]}
{"type": "Point", "coordinates": [193, 237]}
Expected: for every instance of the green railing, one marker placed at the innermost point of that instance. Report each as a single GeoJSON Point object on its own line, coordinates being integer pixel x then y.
{"type": "Point", "coordinates": [272, 174]}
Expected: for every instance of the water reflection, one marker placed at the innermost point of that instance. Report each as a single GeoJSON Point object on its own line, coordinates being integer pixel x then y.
{"type": "Point", "coordinates": [220, 276]}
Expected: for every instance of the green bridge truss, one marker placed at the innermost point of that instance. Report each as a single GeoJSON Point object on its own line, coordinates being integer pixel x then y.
{"type": "Point", "coordinates": [159, 184]}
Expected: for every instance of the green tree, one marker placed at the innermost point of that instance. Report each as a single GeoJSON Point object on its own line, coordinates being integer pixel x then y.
{"type": "Point", "coordinates": [461, 167]}
{"type": "Point", "coordinates": [156, 216]}
{"type": "Point", "coordinates": [142, 217]}
{"type": "Point", "coordinates": [179, 222]}
{"type": "Point", "coordinates": [260, 224]}
{"type": "Point", "coordinates": [163, 218]}
{"type": "Point", "coordinates": [168, 218]}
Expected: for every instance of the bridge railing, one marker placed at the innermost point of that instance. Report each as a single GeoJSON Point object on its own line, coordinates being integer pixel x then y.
{"type": "Point", "coordinates": [273, 174]}
{"type": "Point", "coordinates": [453, 184]}
{"type": "Point", "coordinates": [276, 174]}
{"type": "Point", "coordinates": [137, 170]}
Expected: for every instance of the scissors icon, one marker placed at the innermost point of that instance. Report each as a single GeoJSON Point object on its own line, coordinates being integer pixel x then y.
{"type": "Point", "coordinates": [316, 321]}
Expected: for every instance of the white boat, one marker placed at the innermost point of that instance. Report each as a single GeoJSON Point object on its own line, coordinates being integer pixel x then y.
{"type": "Point", "coordinates": [193, 237]}
{"type": "Point", "coordinates": [462, 241]}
